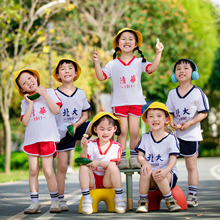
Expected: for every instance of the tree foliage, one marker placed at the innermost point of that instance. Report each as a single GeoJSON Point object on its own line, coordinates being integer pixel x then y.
{"type": "Point", "coordinates": [21, 33]}
{"type": "Point", "coordinates": [184, 30]}
{"type": "Point", "coordinates": [187, 28]}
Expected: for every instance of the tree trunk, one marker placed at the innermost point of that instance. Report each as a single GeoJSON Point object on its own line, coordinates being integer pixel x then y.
{"type": "Point", "coordinates": [7, 127]}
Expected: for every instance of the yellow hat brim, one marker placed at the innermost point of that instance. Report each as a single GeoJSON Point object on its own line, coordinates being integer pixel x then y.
{"type": "Point", "coordinates": [17, 74]}
{"type": "Point", "coordinates": [156, 105]}
{"type": "Point", "coordinates": [139, 35]}
{"type": "Point", "coordinates": [100, 115]}
{"type": "Point", "coordinates": [55, 69]}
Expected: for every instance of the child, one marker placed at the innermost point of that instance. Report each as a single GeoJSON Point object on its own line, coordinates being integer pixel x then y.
{"type": "Point", "coordinates": [188, 106]}
{"type": "Point", "coordinates": [105, 153]}
{"type": "Point", "coordinates": [128, 97]}
{"type": "Point", "coordinates": [74, 111]}
{"type": "Point", "coordinates": [41, 134]}
{"type": "Point", "coordinates": [157, 153]}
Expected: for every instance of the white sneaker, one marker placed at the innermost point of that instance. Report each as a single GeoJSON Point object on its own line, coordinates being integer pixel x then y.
{"type": "Point", "coordinates": [69, 169]}
{"type": "Point", "coordinates": [172, 205]}
{"type": "Point", "coordinates": [192, 200]}
{"type": "Point", "coordinates": [33, 208]}
{"type": "Point", "coordinates": [87, 207]}
{"type": "Point", "coordinates": [142, 206]}
{"type": "Point", "coordinates": [120, 206]}
{"type": "Point", "coordinates": [55, 207]}
{"type": "Point", "coordinates": [63, 205]}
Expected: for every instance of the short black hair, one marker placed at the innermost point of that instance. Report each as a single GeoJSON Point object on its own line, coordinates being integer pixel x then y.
{"type": "Point", "coordinates": [66, 61]}
{"type": "Point", "coordinates": [166, 113]}
{"type": "Point", "coordinates": [185, 61]}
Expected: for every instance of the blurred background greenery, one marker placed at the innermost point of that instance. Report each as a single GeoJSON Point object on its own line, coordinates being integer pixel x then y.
{"type": "Point", "coordinates": [37, 34]}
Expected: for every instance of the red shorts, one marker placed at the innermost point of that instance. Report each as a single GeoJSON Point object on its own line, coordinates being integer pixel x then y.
{"type": "Point", "coordinates": [41, 149]}
{"type": "Point", "coordinates": [98, 181]}
{"type": "Point", "coordinates": [124, 111]}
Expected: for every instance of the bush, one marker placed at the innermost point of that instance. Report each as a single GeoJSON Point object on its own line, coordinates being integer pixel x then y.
{"type": "Point", "coordinates": [209, 148]}
{"type": "Point", "coordinates": [209, 144]}
{"type": "Point", "coordinates": [2, 163]}
{"type": "Point", "coordinates": [19, 160]}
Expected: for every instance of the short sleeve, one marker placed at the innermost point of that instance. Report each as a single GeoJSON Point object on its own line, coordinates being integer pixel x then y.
{"type": "Point", "coordinates": [107, 70]}
{"type": "Point", "coordinates": [203, 103]}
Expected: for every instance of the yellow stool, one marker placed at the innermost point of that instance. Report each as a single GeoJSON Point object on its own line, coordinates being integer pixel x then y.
{"type": "Point", "coordinates": [98, 195]}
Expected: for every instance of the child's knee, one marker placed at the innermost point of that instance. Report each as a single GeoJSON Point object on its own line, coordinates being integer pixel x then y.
{"type": "Point", "coordinates": [145, 177]}
{"type": "Point", "coordinates": [33, 172]}
{"type": "Point", "coordinates": [84, 169]}
{"type": "Point", "coordinates": [62, 168]}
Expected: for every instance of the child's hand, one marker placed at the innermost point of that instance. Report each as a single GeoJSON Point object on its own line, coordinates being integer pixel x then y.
{"type": "Point", "coordinates": [185, 125]}
{"type": "Point", "coordinates": [174, 125]}
{"type": "Point", "coordinates": [41, 90]}
{"type": "Point", "coordinates": [75, 126]}
{"type": "Point", "coordinates": [27, 99]}
{"type": "Point", "coordinates": [145, 169]}
{"type": "Point", "coordinates": [84, 141]}
{"type": "Point", "coordinates": [159, 46]}
{"type": "Point", "coordinates": [94, 164]}
{"type": "Point", "coordinates": [159, 174]}
{"type": "Point", "coordinates": [95, 56]}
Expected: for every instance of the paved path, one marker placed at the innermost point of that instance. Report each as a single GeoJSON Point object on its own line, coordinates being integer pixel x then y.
{"type": "Point", "coordinates": [14, 198]}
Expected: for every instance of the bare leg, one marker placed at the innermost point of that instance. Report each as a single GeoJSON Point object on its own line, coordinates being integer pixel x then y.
{"type": "Point", "coordinates": [62, 165]}
{"type": "Point", "coordinates": [47, 165]}
{"type": "Point", "coordinates": [33, 173]}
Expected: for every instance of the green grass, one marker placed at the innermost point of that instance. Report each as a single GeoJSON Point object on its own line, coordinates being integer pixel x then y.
{"type": "Point", "coordinates": [14, 176]}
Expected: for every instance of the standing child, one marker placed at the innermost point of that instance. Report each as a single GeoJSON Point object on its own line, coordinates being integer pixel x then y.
{"type": "Point", "coordinates": [41, 134]}
{"type": "Point", "coordinates": [157, 153]}
{"type": "Point", "coordinates": [74, 111]}
{"type": "Point", "coordinates": [188, 106]}
{"type": "Point", "coordinates": [105, 153]}
{"type": "Point", "coordinates": [128, 98]}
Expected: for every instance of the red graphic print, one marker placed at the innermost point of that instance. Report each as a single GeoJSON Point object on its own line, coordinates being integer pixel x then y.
{"type": "Point", "coordinates": [122, 80]}
{"type": "Point", "coordinates": [42, 110]}
{"type": "Point", "coordinates": [133, 79]}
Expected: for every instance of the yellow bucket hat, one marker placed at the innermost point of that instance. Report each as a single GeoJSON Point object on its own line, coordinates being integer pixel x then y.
{"type": "Point", "coordinates": [77, 65]}
{"type": "Point", "coordinates": [100, 115]}
{"type": "Point", "coordinates": [17, 74]}
{"type": "Point", "coordinates": [139, 36]}
{"type": "Point", "coordinates": [156, 105]}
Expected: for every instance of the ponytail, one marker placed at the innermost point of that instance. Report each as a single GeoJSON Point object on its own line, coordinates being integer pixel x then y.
{"type": "Point", "coordinates": [142, 55]}
{"type": "Point", "coordinates": [115, 53]}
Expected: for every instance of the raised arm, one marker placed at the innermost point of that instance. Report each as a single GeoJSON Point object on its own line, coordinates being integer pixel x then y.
{"type": "Point", "coordinates": [156, 62]}
{"type": "Point", "coordinates": [98, 69]}
{"type": "Point", "coordinates": [52, 105]}
{"type": "Point", "coordinates": [25, 119]}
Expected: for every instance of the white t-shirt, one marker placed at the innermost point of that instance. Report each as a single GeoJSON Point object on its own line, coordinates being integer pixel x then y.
{"type": "Point", "coordinates": [112, 153]}
{"type": "Point", "coordinates": [42, 124]}
{"type": "Point", "coordinates": [185, 109]}
{"type": "Point", "coordinates": [126, 78]}
{"type": "Point", "coordinates": [158, 153]}
{"type": "Point", "coordinates": [71, 110]}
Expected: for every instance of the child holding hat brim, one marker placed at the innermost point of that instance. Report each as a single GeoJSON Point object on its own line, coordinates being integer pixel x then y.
{"type": "Point", "coordinates": [105, 154]}
{"type": "Point", "coordinates": [157, 153]}
{"type": "Point", "coordinates": [73, 112]}
{"type": "Point", "coordinates": [125, 72]}
{"type": "Point", "coordinates": [41, 134]}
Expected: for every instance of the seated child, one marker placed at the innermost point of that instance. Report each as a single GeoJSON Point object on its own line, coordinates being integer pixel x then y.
{"type": "Point", "coordinates": [157, 153]}
{"type": "Point", "coordinates": [105, 154]}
